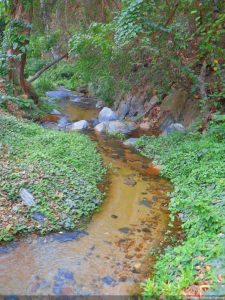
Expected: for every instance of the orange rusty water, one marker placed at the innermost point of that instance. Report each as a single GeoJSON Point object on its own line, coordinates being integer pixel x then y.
{"type": "Point", "coordinates": [113, 256]}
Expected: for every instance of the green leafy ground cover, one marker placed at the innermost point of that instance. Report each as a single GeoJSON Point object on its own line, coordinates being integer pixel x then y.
{"type": "Point", "coordinates": [61, 170]}
{"type": "Point", "coordinates": [195, 164]}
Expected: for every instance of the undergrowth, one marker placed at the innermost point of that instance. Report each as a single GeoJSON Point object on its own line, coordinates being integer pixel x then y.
{"type": "Point", "coordinates": [195, 165]}
{"type": "Point", "coordinates": [61, 170]}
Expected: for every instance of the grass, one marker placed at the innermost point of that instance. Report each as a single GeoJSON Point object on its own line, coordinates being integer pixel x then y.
{"type": "Point", "coordinates": [61, 170]}
{"type": "Point", "coordinates": [195, 164]}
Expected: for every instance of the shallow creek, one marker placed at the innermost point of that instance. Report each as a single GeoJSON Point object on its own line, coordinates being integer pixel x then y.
{"type": "Point", "coordinates": [111, 257]}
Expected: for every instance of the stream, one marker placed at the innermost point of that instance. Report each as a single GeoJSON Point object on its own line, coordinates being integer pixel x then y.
{"type": "Point", "coordinates": [112, 255]}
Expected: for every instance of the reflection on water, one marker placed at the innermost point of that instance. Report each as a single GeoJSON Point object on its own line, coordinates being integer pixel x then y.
{"type": "Point", "coordinates": [111, 256]}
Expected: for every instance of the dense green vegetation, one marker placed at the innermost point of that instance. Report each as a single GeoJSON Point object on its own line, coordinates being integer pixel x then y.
{"type": "Point", "coordinates": [195, 165]}
{"type": "Point", "coordinates": [61, 170]}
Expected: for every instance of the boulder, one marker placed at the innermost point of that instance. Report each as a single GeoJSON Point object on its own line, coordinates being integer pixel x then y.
{"type": "Point", "coordinates": [119, 126]}
{"type": "Point", "coordinates": [63, 122]}
{"type": "Point", "coordinates": [80, 125]}
{"type": "Point", "coordinates": [94, 122]}
{"type": "Point", "coordinates": [101, 127]}
{"type": "Point", "coordinates": [27, 197]}
{"type": "Point", "coordinates": [115, 126]}
{"type": "Point", "coordinates": [106, 114]}
{"type": "Point", "coordinates": [175, 127]}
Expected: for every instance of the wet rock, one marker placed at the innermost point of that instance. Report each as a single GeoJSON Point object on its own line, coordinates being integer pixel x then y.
{"type": "Point", "coordinates": [63, 122]}
{"type": "Point", "coordinates": [136, 268]}
{"type": "Point", "coordinates": [119, 126]}
{"type": "Point", "coordinates": [130, 181]}
{"type": "Point", "coordinates": [114, 216]}
{"type": "Point", "coordinates": [75, 98]}
{"type": "Point", "coordinates": [125, 230]}
{"type": "Point", "coordinates": [108, 280]}
{"type": "Point", "coordinates": [99, 104]}
{"type": "Point", "coordinates": [176, 127]}
{"type": "Point", "coordinates": [69, 236]}
{"type": "Point", "coordinates": [146, 230]}
{"type": "Point", "coordinates": [63, 281]}
{"type": "Point", "coordinates": [94, 122]}
{"type": "Point", "coordinates": [130, 141]}
{"type": "Point", "coordinates": [101, 127]}
{"type": "Point", "coordinates": [27, 197]}
{"type": "Point", "coordinates": [145, 202]}
{"type": "Point", "coordinates": [106, 114]}
{"type": "Point", "coordinates": [39, 217]}
{"type": "Point", "coordinates": [80, 125]}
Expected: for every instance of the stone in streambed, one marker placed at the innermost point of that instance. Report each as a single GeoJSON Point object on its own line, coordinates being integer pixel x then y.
{"type": "Point", "coordinates": [145, 202]}
{"type": "Point", "coordinates": [108, 280]}
{"type": "Point", "coordinates": [136, 268]}
{"type": "Point", "coordinates": [80, 125]}
{"type": "Point", "coordinates": [106, 114]}
{"type": "Point", "coordinates": [63, 122]}
{"type": "Point", "coordinates": [130, 181]}
{"type": "Point", "coordinates": [125, 230]}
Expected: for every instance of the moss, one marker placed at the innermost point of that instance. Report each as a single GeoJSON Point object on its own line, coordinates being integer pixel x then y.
{"type": "Point", "coordinates": [61, 170]}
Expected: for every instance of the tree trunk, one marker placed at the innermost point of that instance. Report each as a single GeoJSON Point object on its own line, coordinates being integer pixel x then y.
{"type": "Point", "coordinates": [21, 18]}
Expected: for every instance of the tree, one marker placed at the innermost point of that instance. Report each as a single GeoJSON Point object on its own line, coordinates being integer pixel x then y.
{"type": "Point", "coordinates": [17, 36]}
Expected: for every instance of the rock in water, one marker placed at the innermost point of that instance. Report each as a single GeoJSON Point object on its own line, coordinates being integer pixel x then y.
{"type": "Point", "coordinates": [102, 127]}
{"type": "Point", "coordinates": [80, 125]}
{"type": "Point", "coordinates": [176, 127]}
{"type": "Point", "coordinates": [27, 197]}
{"type": "Point", "coordinates": [106, 114]}
{"type": "Point", "coordinates": [119, 126]}
{"type": "Point", "coordinates": [63, 122]}
{"type": "Point", "coordinates": [115, 126]}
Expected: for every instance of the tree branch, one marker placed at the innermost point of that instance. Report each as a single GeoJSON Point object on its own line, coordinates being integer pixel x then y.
{"type": "Point", "coordinates": [45, 68]}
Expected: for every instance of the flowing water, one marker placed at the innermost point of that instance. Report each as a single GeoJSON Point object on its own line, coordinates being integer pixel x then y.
{"type": "Point", "coordinates": [111, 257]}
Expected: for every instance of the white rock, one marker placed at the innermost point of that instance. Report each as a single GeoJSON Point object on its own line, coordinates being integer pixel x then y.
{"type": "Point", "coordinates": [27, 197]}
{"type": "Point", "coordinates": [106, 114]}
{"type": "Point", "coordinates": [80, 125]}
